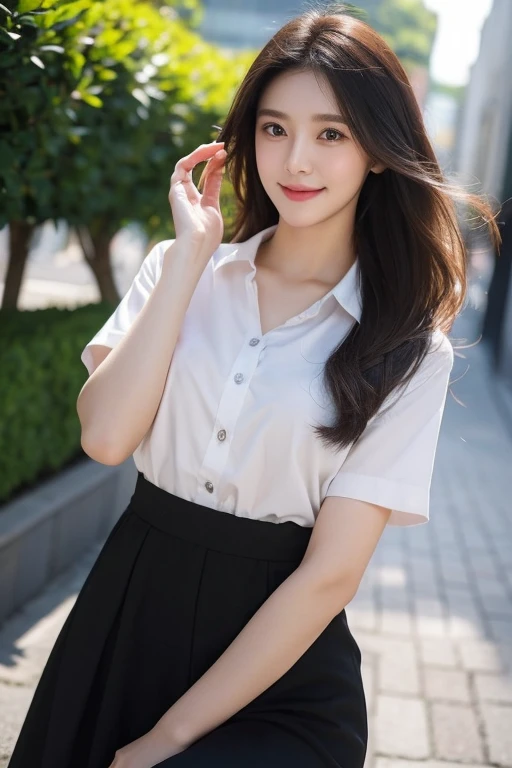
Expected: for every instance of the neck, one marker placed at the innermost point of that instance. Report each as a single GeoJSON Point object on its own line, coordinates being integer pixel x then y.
{"type": "Point", "coordinates": [321, 253]}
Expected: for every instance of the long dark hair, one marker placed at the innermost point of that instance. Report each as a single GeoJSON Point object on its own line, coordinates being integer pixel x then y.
{"type": "Point", "coordinates": [411, 251]}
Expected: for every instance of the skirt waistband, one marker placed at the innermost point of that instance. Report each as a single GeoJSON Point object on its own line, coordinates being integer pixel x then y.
{"type": "Point", "coordinates": [218, 530]}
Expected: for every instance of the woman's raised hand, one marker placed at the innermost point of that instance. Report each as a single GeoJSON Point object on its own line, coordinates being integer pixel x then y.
{"type": "Point", "coordinates": [197, 217]}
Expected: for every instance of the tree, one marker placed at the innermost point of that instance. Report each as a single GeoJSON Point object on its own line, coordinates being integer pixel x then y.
{"type": "Point", "coordinates": [407, 26]}
{"type": "Point", "coordinates": [40, 65]}
{"type": "Point", "coordinates": [100, 99]}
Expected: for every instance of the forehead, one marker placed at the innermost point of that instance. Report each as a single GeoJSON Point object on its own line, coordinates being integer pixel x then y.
{"type": "Point", "coordinates": [305, 91]}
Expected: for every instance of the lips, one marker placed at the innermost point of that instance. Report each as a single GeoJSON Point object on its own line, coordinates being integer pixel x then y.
{"type": "Point", "coordinates": [300, 188]}
{"type": "Point", "coordinates": [298, 194]}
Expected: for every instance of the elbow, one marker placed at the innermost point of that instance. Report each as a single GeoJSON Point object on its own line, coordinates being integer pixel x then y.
{"type": "Point", "coordinates": [100, 451]}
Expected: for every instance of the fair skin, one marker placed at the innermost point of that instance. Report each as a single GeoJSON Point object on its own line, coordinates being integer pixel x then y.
{"type": "Point", "coordinates": [308, 254]}
{"type": "Point", "coordinates": [311, 249]}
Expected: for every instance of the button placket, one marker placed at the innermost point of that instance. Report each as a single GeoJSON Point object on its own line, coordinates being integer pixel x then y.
{"type": "Point", "coordinates": [230, 406]}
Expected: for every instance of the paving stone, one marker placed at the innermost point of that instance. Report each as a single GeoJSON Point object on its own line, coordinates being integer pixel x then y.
{"type": "Point", "coordinates": [501, 630]}
{"type": "Point", "coordinates": [439, 653]}
{"type": "Point", "coordinates": [429, 626]}
{"type": "Point", "coordinates": [456, 735]}
{"type": "Point", "coordinates": [390, 762]}
{"type": "Point", "coordinates": [498, 728]}
{"type": "Point", "coordinates": [395, 622]}
{"type": "Point", "coordinates": [446, 685]}
{"type": "Point", "coordinates": [362, 611]}
{"type": "Point", "coordinates": [359, 618]}
{"type": "Point", "coordinates": [496, 688]}
{"type": "Point", "coordinates": [398, 669]}
{"type": "Point", "coordinates": [479, 655]}
{"type": "Point", "coordinates": [468, 627]}
{"type": "Point", "coordinates": [401, 727]}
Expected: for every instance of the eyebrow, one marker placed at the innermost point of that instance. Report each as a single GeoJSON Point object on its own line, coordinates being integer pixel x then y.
{"type": "Point", "coordinates": [322, 118]}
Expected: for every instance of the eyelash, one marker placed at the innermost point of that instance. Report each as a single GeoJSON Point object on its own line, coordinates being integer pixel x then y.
{"type": "Point", "coordinates": [334, 130]}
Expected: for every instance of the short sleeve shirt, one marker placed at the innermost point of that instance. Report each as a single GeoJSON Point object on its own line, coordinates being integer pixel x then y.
{"type": "Point", "coordinates": [234, 428]}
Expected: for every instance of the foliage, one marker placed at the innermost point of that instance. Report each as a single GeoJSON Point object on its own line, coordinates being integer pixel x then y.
{"type": "Point", "coordinates": [42, 373]}
{"type": "Point", "coordinates": [406, 25]}
{"type": "Point", "coordinates": [107, 96]}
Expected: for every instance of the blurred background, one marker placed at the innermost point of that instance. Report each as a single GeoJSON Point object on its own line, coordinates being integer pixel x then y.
{"type": "Point", "coordinates": [98, 100]}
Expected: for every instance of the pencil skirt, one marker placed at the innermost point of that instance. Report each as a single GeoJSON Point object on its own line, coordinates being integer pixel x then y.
{"type": "Point", "coordinates": [173, 585]}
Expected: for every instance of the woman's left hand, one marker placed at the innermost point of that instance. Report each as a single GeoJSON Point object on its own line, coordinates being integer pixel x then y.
{"type": "Point", "coordinates": [147, 751]}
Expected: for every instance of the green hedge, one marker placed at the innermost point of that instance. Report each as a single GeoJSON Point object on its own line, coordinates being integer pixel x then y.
{"type": "Point", "coordinates": [41, 377]}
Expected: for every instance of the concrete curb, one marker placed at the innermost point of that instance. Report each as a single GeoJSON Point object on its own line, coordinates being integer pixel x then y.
{"type": "Point", "coordinates": [44, 531]}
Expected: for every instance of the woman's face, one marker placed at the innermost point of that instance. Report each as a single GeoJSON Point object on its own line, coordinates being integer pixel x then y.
{"type": "Point", "coordinates": [297, 144]}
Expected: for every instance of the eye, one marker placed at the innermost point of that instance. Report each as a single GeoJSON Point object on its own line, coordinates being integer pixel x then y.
{"type": "Point", "coordinates": [271, 125]}
{"type": "Point", "coordinates": [333, 130]}
{"type": "Point", "coordinates": [327, 130]}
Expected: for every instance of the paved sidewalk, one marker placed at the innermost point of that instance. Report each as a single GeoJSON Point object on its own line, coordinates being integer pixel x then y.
{"type": "Point", "coordinates": [433, 615]}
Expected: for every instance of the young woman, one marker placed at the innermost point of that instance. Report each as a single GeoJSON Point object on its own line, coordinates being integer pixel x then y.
{"type": "Point", "coordinates": [282, 396]}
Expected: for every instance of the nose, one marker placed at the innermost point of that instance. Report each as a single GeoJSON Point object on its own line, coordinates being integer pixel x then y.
{"type": "Point", "coordinates": [298, 160]}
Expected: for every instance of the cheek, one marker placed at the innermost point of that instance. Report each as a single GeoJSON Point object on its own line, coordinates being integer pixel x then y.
{"type": "Point", "coordinates": [342, 169]}
{"type": "Point", "coordinates": [268, 166]}
{"type": "Point", "coordinates": [265, 157]}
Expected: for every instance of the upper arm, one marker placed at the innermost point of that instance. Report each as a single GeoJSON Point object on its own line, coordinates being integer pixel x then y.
{"type": "Point", "coordinates": [120, 321]}
{"type": "Point", "coordinates": [97, 354]}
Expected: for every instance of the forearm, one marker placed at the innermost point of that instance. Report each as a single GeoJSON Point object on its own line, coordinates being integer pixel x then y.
{"type": "Point", "coordinates": [278, 634]}
{"type": "Point", "coordinates": [119, 401]}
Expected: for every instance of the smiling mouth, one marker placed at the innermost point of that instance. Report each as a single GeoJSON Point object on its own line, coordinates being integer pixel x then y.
{"type": "Point", "coordinates": [301, 189]}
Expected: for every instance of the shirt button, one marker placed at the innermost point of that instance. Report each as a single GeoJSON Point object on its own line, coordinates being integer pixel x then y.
{"type": "Point", "coordinates": [239, 377]}
{"type": "Point", "coordinates": [221, 434]}
{"type": "Point", "coordinates": [209, 486]}
{"type": "Point", "coordinates": [253, 342]}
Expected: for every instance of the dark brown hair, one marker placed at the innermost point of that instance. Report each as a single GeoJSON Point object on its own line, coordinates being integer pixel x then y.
{"type": "Point", "coordinates": [411, 251]}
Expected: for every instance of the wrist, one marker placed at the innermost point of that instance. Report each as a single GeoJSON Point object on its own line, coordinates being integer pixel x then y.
{"type": "Point", "coordinates": [192, 248]}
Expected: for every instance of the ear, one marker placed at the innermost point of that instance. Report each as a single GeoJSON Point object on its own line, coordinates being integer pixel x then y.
{"type": "Point", "coordinates": [378, 167]}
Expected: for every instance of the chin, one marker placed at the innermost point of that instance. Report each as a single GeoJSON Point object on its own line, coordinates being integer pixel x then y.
{"type": "Point", "coordinates": [299, 220]}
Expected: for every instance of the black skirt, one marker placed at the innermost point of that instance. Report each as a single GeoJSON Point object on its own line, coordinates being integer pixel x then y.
{"type": "Point", "coordinates": [172, 587]}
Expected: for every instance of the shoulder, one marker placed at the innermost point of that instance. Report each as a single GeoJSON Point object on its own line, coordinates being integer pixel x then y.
{"type": "Point", "coordinates": [439, 358]}
{"type": "Point", "coordinates": [430, 381]}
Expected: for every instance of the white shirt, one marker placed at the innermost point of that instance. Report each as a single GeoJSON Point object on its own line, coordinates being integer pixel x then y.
{"type": "Point", "coordinates": [233, 432]}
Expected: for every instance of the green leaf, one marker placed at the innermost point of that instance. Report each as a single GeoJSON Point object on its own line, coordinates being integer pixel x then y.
{"type": "Point", "coordinates": [107, 75]}
{"type": "Point", "coordinates": [91, 99]}
{"type": "Point", "coordinates": [25, 6]}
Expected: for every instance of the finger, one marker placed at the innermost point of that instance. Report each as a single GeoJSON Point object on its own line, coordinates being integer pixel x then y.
{"type": "Point", "coordinates": [213, 181]}
{"type": "Point", "coordinates": [182, 193]}
{"type": "Point", "coordinates": [203, 152]}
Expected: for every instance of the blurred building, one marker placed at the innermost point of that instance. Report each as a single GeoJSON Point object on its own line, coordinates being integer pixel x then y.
{"type": "Point", "coordinates": [250, 24]}
{"type": "Point", "coordinates": [485, 162]}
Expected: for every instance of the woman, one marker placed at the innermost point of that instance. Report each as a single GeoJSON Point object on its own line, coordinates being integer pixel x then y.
{"type": "Point", "coordinates": [282, 397]}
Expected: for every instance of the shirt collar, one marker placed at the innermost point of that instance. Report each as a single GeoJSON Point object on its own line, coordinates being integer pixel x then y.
{"type": "Point", "coordinates": [347, 291]}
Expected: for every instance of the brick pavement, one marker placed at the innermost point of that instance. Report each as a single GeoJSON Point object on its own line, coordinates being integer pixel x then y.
{"type": "Point", "coordinates": [433, 615]}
